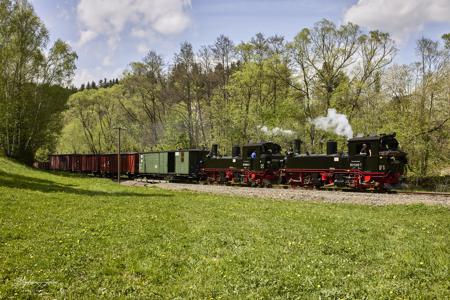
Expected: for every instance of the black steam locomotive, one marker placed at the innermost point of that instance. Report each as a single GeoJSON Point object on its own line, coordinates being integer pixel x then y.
{"type": "Point", "coordinates": [374, 162]}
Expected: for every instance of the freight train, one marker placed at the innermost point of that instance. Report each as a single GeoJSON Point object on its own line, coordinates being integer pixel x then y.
{"type": "Point", "coordinates": [373, 162]}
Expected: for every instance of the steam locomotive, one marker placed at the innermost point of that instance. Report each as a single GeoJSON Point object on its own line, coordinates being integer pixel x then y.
{"type": "Point", "coordinates": [373, 162]}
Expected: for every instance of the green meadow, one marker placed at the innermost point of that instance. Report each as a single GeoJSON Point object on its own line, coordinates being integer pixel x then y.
{"type": "Point", "coordinates": [66, 236]}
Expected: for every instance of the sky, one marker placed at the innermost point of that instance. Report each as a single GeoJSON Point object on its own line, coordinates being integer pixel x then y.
{"type": "Point", "coordinates": [109, 34]}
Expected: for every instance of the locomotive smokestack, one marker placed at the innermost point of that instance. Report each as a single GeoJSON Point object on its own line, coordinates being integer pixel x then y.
{"type": "Point", "coordinates": [236, 151]}
{"type": "Point", "coordinates": [331, 147]}
{"type": "Point", "coordinates": [297, 146]}
{"type": "Point", "coordinates": [214, 150]}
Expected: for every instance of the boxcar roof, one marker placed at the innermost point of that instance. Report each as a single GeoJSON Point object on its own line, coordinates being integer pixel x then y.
{"type": "Point", "coordinates": [164, 151]}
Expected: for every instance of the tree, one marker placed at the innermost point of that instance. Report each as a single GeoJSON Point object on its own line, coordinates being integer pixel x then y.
{"type": "Point", "coordinates": [33, 84]}
{"type": "Point", "coordinates": [433, 109]}
{"type": "Point", "coordinates": [227, 94]}
{"type": "Point", "coordinates": [223, 50]}
{"type": "Point", "coordinates": [182, 84]}
{"type": "Point", "coordinates": [336, 66]}
{"type": "Point", "coordinates": [446, 39]}
{"type": "Point", "coordinates": [145, 84]}
{"type": "Point", "coordinates": [209, 80]}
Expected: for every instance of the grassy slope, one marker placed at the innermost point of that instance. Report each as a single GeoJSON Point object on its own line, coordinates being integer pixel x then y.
{"type": "Point", "coordinates": [76, 237]}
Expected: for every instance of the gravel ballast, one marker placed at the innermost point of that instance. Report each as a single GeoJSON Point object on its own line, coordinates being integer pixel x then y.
{"type": "Point", "coordinates": [302, 194]}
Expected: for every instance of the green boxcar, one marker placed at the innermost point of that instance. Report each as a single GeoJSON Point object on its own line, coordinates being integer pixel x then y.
{"type": "Point", "coordinates": [178, 163]}
{"type": "Point", "coordinates": [149, 163]}
{"type": "Point", "coordinates": [187, 162]}
{"type": "Point", "coordinates": [162, 163]}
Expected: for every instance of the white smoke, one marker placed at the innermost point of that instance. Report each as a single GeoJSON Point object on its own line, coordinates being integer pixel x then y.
{"type": "Point", "coordinates": [338, 123]}
{"type": "Point", "coordinates": [276, 131]}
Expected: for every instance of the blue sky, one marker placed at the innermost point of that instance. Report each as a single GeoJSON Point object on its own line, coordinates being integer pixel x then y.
{"type": "Point", "coordinates": [109, 34]}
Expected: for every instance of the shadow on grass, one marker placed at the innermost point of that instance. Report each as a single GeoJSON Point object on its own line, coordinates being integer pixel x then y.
{"type": "Point", "coordinates": [35, 184]}
{"type": "Point", "coordinates": [66, 174]}
{"type": "Point", "coordinates": [82, 175]}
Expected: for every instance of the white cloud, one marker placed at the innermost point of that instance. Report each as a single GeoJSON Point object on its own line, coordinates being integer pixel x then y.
{"type": "Point", "coordinates": [142, 48]}
{"type": "Point", "coordinates": [83, 76]}
{"type": "Point", "coordinates": [111, 17]}
{"type": "Point", "coordinates": [107, 60]}
{"type": "Point", "coordinates": [398, 17]}
{"type": "Point", "coordinates": [86, 36]}
{"type": "Point", "coordinates": [139, 33]}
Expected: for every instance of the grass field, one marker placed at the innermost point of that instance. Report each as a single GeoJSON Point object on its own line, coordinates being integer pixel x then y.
{"type": "Point", "coordinates": [67, 236]}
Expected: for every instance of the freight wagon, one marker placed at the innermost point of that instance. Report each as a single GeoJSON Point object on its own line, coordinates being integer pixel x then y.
{"type": "Point", "coordinates": [180, 164]}
{"type": "Point", "coordinates": [97, 164]}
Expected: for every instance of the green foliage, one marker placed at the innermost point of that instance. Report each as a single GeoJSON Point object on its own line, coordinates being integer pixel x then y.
{"type": "Point", "coordinates": [77, 237]}
{"type": "Point", "coordinates": [446, 38]}
{"type": "Point", "coordinates": [225, 94]}
{"type": "Point", "coordinates": [33, 83]}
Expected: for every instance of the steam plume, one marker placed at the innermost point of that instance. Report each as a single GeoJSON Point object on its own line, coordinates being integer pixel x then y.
{"type": "Point", "coordinates": [335, 122]}
{"type": "Point", "coordinates": [276, 131]}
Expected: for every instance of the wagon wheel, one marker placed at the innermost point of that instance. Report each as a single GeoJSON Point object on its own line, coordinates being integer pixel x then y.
{"type": "Point", "coordinates": [281, 180]}
{"type": "Point", "coordinates": [266, 183]}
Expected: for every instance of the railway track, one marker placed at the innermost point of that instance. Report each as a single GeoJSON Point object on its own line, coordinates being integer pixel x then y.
{"type": "Point", "coordinates": [302, 194]}
{"type": "Point", "coordinates": [304, 189]}
{"type": "Point", "coordinates": [422, 193]}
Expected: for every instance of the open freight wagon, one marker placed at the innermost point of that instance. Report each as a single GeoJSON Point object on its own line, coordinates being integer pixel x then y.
{"type": "Point", "coordinates": [97, 164]}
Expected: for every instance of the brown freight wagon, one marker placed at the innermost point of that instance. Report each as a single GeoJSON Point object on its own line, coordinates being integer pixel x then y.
{"type": "Point", "coordinates": [58, 162]}
{"type": "Point", "coordinates": [90, 163]}
{"type": "Point", "coordinates": [129, 164]}
{"type": "Point", "coordinates": [41, 165]}
{"type": "Point", "coordinates": [97, 164]}
{"type": "Point", "coordinates": [64, 162]}
{"type": "Point", "coordinates": [75, 165]}
{"type": "Point", "coordinates": [54, 162]}
{"type": "Point", "coordinates": [104, 164]}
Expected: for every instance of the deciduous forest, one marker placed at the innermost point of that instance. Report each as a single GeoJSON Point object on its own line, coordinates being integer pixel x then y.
{"type": "Point", "coordinates": [227, 92]}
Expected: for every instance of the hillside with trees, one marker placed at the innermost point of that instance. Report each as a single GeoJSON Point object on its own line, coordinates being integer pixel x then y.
{"type": "Point", "coordinates": [266, 88]}
{"type": "Point", "coordinates": [271, 88]}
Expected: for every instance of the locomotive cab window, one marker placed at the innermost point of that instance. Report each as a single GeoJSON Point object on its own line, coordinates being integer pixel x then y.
{"type": "Point", "coordinates": [364, 149]}
{"type": "Point", "coordinates": [249, 152]}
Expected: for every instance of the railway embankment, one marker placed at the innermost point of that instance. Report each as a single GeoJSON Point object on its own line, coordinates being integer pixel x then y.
{"type": "Point", "coordinates": [299, 194]}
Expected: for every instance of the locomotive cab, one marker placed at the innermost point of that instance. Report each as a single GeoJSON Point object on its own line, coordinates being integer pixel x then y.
{"type": "Point", "coordinates": [262, 156]}
{"type": "Point", "coordinates": [363, 153]}
{"type": "Point", "coordinates": [379, 153]}
{"type": "Point", "coordinates": [392, 159]}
